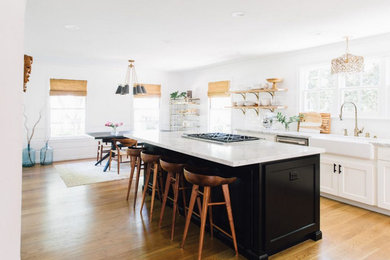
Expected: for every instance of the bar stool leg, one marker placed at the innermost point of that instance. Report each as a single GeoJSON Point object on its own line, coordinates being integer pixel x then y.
{"type": "Point", "coordinates": [132, 158]}
{"type": "Point", "coordinates": [137, 179]}
{"type": "Point", "coordinates": [183, 194]}
{"type": "Point", "coordinates": [206, 195]}
{"type": "Point", "coordinates": [155, 172]}
{"type": "Point", "coordinates": [211, 218]}
{"type": "Point", "coordinates": [165, 197]}
{"type": "Point", "coordinates": [147, 173]}
{"type": "Point", "coordinates": [175, 198]}
{"type": "Point", "coordinates": [199, 205]}
{"type": "Point", "coordinates": [194, 195]}
{"type": "Point", "coordinates": [226, 194]}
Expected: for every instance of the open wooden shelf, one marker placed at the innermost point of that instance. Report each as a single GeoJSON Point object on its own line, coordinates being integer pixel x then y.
{"type": "Point", "coordinates": [258, 90]}
{"type": "Point", "coordinates": [256, 108]}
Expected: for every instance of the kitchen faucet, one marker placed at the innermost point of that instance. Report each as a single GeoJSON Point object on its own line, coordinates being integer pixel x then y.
{"type": "Point", "coordinates": [356, 131]}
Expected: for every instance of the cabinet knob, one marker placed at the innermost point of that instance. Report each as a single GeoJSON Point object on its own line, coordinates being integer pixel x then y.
{"type": "Point", "coordinates": [334, 168]}
{"type": "Point", "coordinates": [339, 169]}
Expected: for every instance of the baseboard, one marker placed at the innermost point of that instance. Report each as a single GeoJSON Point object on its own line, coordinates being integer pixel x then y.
{"type": "Point", "coordinates": [357, 204]}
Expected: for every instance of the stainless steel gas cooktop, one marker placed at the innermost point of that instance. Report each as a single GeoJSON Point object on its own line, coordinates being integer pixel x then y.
{"type": "Point", "coordinates": [221, 137]}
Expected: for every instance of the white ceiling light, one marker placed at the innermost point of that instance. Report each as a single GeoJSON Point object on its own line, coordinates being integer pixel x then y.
{"type": "Point", "coordinates": [238, 14]}
{"type": "Point", "coordinates": [72, 27]}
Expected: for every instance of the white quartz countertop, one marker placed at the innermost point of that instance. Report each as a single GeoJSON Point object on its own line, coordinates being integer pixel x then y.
{"type": "Point", "coordinates": [334, 137]}
{"type": "Point", "coordinates": [233, 154]}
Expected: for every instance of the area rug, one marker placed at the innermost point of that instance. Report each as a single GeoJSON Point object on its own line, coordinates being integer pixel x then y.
{"type": "Point", "coordinates": [83, 173]}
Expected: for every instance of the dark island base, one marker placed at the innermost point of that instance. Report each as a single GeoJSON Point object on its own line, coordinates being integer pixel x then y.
{"type": "Point", "coordinates": [275, 205]}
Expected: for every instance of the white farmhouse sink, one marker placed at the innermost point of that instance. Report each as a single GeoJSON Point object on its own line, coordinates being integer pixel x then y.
{"type": "Point", "coordinates": [347, 146]}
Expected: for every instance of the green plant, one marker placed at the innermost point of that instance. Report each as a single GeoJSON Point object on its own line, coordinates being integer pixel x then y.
{"type": "Point", "coordinates": [175, 95]}
{"type": "Point", "coordinates": [283, 119]}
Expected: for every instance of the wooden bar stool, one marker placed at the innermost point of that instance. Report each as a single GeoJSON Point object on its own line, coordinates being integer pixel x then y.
{"type": "Point", "coordinates": [175, 178]}
{"type": "Point", "coordinates": [208, 181]}
{"type": "Point", "coordinates": [135, 161]}
{"type": "Point", "coordinates": [151, 159]}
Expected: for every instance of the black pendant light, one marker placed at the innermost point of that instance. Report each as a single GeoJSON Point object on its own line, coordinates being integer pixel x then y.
{"type": "Point", "coordinates": [131, 77]}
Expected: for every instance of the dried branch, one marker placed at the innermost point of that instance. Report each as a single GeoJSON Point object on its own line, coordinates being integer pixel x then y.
{"type": "Point", "coordinates": [36, 123]}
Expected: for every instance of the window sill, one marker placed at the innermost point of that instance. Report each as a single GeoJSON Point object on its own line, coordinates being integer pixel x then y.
{"type": "Point", "coordinates": [70, 138]}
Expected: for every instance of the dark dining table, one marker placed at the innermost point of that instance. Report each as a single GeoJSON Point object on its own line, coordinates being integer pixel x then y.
{"type": "Point", "coordinates": [108, 137]}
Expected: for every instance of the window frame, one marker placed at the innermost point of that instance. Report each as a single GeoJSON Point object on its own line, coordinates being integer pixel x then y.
{"type": "Point", "coordinates": [135, 111]}
{"type": "Point", "coordinates": [64, 137]}
{"type": "Point", "coordinates": [383, 90]}
{"type": "Point", "coordinates": [209, 100]}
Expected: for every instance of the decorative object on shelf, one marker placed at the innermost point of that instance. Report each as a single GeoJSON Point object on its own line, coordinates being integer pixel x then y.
{"type": "Point", "coordinates": [114, 127]}
{"type": "Point", "coordinates": [28, 156]}
{"type": "Point", "coordinates": [177, 95]}
{"type": "Point", "coordinates": [131, 80]}
{"type": "Point", "coordinates": [189, 93]}
{"type": "Point", "coordinates": [347, 63]}
{"type": "Point", "coordinates": [46, 154]}
{"type": "Point", "coordinates": [274, 81]}
{"type": "Point", "coordinates": [286, 123]}
{"type": "Point", "coordinates": [28, 60]}
{"type": "Point", "coordinates": [268, 121]}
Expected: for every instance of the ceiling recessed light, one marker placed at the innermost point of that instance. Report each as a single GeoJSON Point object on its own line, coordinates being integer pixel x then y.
{"type": "Point", "coordinates": [72, 27]}
{"type": "Point", "coordinates": [238, 14]}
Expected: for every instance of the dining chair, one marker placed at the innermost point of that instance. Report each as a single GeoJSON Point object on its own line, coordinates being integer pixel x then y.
{"type": "Point", "coordinates": [102, 148]}
{"type": "Point", "coordinates": [117, 153]}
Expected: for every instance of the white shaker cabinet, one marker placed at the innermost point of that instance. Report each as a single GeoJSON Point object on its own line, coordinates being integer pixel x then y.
{"type": "Point", "coordinates": [329, 179]}
{"type": "Point", "coordinates": [383, 182]}
{"type": "Point", "coordinates": [357, 181]}
{"type": "Point", "coordinates": [349, 178]}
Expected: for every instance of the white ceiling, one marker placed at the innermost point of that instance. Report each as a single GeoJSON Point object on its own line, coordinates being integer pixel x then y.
{"type": "Point", "coordinates": [183, 34]}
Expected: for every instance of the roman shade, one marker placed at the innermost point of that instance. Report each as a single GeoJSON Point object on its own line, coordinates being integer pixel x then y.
{"type": "Point", "coordinates": [152, 90]}
{"type": "Point", "coordinates": [62, 87]}
{"type": "Point", "coordinates": [219, 89]}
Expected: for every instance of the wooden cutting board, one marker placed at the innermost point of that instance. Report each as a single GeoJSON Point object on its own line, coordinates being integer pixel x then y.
{"type": "Point", "coordinates": [315, 121]}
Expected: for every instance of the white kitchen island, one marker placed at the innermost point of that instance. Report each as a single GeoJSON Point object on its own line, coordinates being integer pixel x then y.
{"type": "Point", "coordinates": [275, 199]}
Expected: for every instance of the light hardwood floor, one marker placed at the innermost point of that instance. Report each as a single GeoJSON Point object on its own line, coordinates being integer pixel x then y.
{"type": "Point", "coordinates": [96, 222]}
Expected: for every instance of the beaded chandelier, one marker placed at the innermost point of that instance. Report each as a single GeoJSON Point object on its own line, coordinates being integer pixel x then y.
{"type": "Point", "coordinates": [347, 63]}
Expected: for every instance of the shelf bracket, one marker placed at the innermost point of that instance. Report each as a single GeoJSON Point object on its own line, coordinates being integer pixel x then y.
{"type": "Point", "coordinates": [256, 110]}
{"type": "Point", "coordinates": [256, 94]}
{"type": "Point", "coordinates": [243, 110]}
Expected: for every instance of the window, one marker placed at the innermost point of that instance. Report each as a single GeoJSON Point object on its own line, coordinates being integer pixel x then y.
{"type": "Point", "coordinates": [219, 115]}
{"type": "Point", "coordinates": [323, 92]}
{"type": "Point", "coordinates": [146, 113]}
{"type": "Point", "coordinates": [67, 116]}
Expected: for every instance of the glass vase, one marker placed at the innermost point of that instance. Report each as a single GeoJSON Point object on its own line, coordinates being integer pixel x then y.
{"type": "Point", "coordinates": [28, 157]}
{"type": "Point", "coordinates": [114, 131]}
{"type": "Point", "coordinates": [46, 155]}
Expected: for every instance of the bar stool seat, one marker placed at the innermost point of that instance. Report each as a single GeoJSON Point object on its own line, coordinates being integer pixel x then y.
{"type": "Point", "coordinates": [151, 159]}
{"type": "Point", "coordinates": [198, 178]}
{"type": "Point", "coordinates": [135, 161]}
{"type": "Point", "coordinates": [175, 178]}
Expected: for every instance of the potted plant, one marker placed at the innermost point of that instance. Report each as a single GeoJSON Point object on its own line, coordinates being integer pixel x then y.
{"type": "Point", "coordinates": [176, 95]}
{"type": "Point", "coordinates": [286, 122]}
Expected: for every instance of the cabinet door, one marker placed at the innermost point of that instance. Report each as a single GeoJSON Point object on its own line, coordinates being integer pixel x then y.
{"type": "Point", "coordinates": [356, 181]}
{"type": "Point", "coordinates": [384, 184]}
{"type": "Point", "coordinates": [329, 178]}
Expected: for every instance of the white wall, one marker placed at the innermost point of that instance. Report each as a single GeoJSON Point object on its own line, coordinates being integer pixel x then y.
{"type": "Point", "coordinates": [11, 85]}
{"type": "Point", "coordinates": [102, 103]}
{"type": "Point", "coordinates": [251, 72]}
